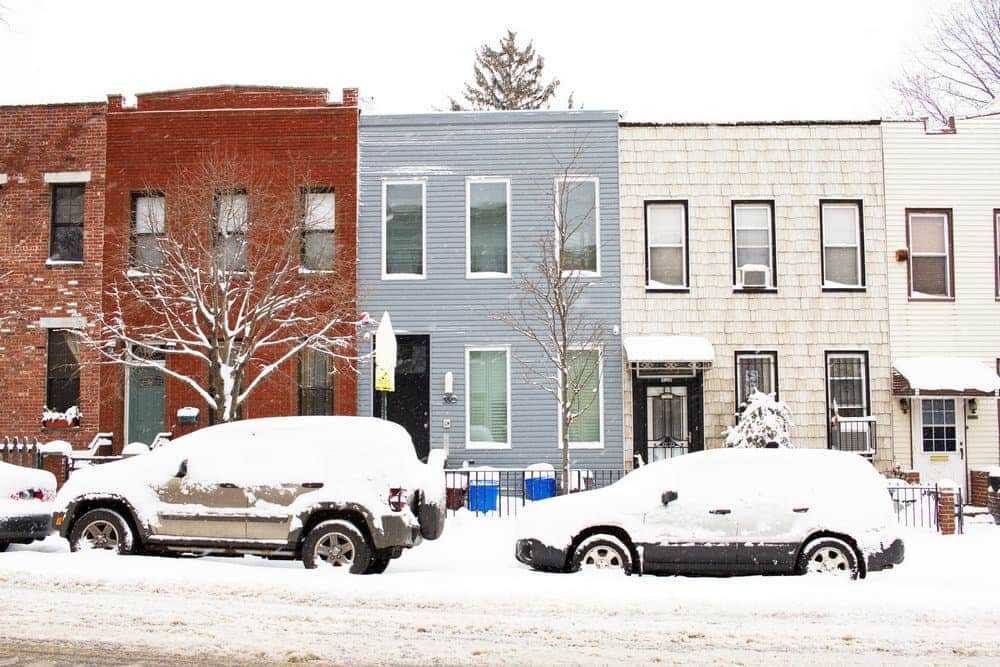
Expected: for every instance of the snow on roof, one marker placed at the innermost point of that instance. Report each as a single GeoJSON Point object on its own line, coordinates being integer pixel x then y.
{"type": "Point", "coordinates": [948, 374]}
{"type": "Point", "coordinates": [669, 348]}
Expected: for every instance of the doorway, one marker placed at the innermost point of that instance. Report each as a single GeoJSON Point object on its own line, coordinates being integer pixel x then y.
{"type": "Point", "coordinates": [409, 406]}
{"type": "Point", "coordinates": [145, 400]}
{"type": "Point", "coordinates": [939, 439]}
{"type": "Point", "coordinates": [667, 417]}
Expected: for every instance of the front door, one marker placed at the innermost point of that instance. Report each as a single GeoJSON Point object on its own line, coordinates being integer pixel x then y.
{"type": "Point", "coordinates": [145, 404]}
{"type": "Point", "coordinates": [667, 417]}
{"type": "Point", "coordinates": [939, 439]}
{"type": "Point", "coordinates": [410, 405]}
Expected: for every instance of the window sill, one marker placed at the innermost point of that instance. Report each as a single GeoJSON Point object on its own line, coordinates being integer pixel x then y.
{"type": "Point", "coordinates": [675, 290]}
{"type": "Point", "coordinates": [586, 445]}
{"type": "Point", "coordinates": [487, 276]}
{"type": "Point", "coordinates": [403, 276]}
{"type": "Point", "coordinates": [931, 299]}
{"type": "Point", "coordinates": [315, 272]}
{"type": "Point", "coordinates": [581, 274]}
{"type": "Point", "coordinates": [754, 290]}
{"type": "Point", "coordinates": [63, 262]}
{"type": "Point", "coordinates": [64, 429]}
{"type": "Point", "coordinates": [486, 445]}
{"type": "Point", "coordinates": [845, 289]}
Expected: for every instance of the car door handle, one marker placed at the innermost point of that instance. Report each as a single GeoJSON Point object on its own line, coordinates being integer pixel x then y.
{"type": "Point", "coordinates": [227, 485]}
{"type": "Point", "coordinates": [720, 511]}
{"type": "Point", "coordinates": [800, 510]}
{"type": "Point", "coordinates": [312, 485]}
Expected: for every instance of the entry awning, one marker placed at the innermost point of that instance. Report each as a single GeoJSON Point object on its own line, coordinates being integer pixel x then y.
{"type": "Point", "coordinates": [691, 350]}
{"type": "Point", "coordinates": [940, 376]}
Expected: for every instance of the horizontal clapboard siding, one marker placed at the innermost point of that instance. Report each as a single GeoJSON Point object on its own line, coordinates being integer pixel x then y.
{"type": "Point", "coordinates": [530, 149]}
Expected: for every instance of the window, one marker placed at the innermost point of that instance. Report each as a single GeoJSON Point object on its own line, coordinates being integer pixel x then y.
{"type": "Point", "coordinates": [66, 241]}
{"type": "Point", "coordinates": [319, 221]}
{"type": "Point", "coordinates": [488, 398]}
{"type": "Point", "coordinates": [937, 418]}
{"type": "Point", "coordinates": [753, 244]}
{"type": "Point", "coordinates": [841, 231]}
{"type": "Point", "coordinates": [62, 387]}
{"type": "Point", "coordinates": [315, 383]}
{"type": "Point", "coordinates": [929, 242]}
{"type": "Point", "coordinates": [403, 230]}
{"type": "Point", "coordinates": [666, 245]}
{"type": "Point", "coordinates": [231, 219]}
{"type": "Point", "coordinates": [755, 371]}
{"type": "Point", "coordinates": [489, 223]}
{"type": "Point", "coordinates": [148, 227]}
{"type": "Point", "coordinates": [576, 199]}
{"type": "Point", "coordinates": [585, 378]}
{"type": "Point", "coordinates": [996, 250]}
{"type": "Point", "coordinates": [847, 383]}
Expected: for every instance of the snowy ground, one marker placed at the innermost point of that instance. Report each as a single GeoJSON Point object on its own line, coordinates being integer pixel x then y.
{"type": "Point", "coordinates": [463, 599]}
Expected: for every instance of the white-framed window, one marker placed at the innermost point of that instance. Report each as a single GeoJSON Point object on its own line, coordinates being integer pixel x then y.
{"type": "Point", "coordinates": [404, 207]}
{"type": "Point", "coordinates": [487, 227]}
{"type": "Point", "coordinates": [148, 228]}
{"type": "Point", "coordinates": [931, 263]}
{"type": "Point", "coordinates": [578, 211]}
{"type": "Point", "coordinates": [586, 376]}
{"type": "Point", "coordinates": [666, 245]}
{"type": "Point", "coordinates": [753, 240]}
{"type": "Point", "coordinates": [843, 244]}
{"type": "Point", "coordinates": [487, 398]}
{"type": "Point", "coordinates": [755, 371]}
{"type": "Point", "coordinates": [232, 220]}
{"type": "Point", "coordinates": [319, 222]}
{"type": "Point", "coordinates": [939, 425]}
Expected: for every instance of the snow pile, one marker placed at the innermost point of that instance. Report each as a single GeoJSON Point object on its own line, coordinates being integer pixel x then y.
{"type": "Point", "coordinates": [763, 421]}
{"type": "Point", "coordinates": [15, 479]}
{"type": "Point", "coordinates": [56, 447]}
{"type": "Point", "coordinates": [948, 374]}
{"type": "Point", "coordinates": [71, 415]}
{"type": "Point", "coordinates": [135, 449]}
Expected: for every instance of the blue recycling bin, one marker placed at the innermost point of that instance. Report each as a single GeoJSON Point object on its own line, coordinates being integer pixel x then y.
{"type": "Point", "coordinates": [539, 488]}
{"type": "Point", "coordinates": [483, 496]}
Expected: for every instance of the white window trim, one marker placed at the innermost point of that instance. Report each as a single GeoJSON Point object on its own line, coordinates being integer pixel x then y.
{"type": "Point", "coordinates": [600, 405]}
{"type": "Point", "coordinates": [946, 232]}
{"type": "Point", "coordinates": [683, 246]}
{"type": "Point", "coordinates": [559, 180]}
{"type": "Point", "coordinates": [771, 248]}
{"type": "Point", "coordinates": [480, 275]}
{"type": "Point", "coordinates": [858, 259]}
{"type": "Point", "coordinates": [62, 322]}
{"type": "Point", "coordinates": [860, 356]}
{"type": "Point", "coordinates": [469, 443]}
{"type": "Point", "coordinates": [3, 179]}
{"type": "Point", "coordinates": [771, 357]}
{"type": "Point", "coordinates": [423, 228]}
{"type": "Point", "coordinates": [67, 177]}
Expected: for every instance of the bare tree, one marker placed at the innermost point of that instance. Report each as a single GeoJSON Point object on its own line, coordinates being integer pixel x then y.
{"type": "Point", "coordinates": [216, 283]}
{"type": "Point", "coordinates": [958, 69]}
{"type": "Point", "coordinates": [548, 310]}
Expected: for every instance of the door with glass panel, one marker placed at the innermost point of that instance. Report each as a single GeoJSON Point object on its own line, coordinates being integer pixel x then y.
{"type": "Point", "coordinates": [667, 432]}
{"type": "Point", "coordinates": [939, 439]}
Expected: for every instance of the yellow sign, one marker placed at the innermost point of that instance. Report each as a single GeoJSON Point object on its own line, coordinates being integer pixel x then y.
{"type": "Point", "coordinates": [384, 379]}
{"type": "Point", "coordinates": [943, 458]}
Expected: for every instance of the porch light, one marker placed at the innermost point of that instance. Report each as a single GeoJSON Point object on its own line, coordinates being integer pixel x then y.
{"type": "Point", "coordinates": [449, 388]}
{"type": "Point", "coordinates": [904, 405]}
{"type": "Point", "coordinates": [667, 395]}
{"type": "Point", "coordinates": [973, 406]}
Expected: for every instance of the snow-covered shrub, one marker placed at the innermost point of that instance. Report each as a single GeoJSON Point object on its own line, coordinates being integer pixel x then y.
{"type": "Point", "coordinates": [763, 421]}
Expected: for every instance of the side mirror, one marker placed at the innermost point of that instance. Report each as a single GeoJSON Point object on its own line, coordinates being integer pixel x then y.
{"type": "Point", "coordinates": [182, 471]}
{"type": "Point", "coordinates": [668, 497]}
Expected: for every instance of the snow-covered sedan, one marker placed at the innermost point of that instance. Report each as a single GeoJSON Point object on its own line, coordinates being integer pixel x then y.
{"type": "Point", "coordinates": [725, 511]}
{"type": "Point", "coordinates": [25, 504]}
{"type": "Point", "coordinates": [347, 491]}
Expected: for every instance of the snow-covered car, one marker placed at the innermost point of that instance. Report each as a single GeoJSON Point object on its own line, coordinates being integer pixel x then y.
{"type": "Point", "coordinates": [724, 511]}
{"type": "Point", "coordinates": [26, 496]}
{"type": "Point", "coordinates": [348, 491]}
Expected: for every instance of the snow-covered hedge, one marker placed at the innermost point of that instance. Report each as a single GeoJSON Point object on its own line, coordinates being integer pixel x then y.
{"type": "Point", "coordinates": [763, 421]}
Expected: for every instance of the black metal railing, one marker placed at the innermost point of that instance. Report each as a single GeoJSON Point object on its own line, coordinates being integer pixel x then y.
{"type": "Point", "coordinates": [854, 434]}
{"type": "Point", "coordinates": [918, 506]}
{"type": "Point", "coordinates": [505, 492]}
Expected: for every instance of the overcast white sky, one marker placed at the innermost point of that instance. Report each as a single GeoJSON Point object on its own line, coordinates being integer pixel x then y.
{"type": "Point", "coordinates": [666, 60]}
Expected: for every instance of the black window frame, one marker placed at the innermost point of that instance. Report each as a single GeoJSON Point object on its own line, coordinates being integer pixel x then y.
{"type": "Point", "coordinates": [73, 378]}
{"type": "Point", "coordinates": [53, 225]}
{"type": "Point", "coordinates": [863, 285]}
{"type": "Point", "coordinates": [773, 354]}
{"type": "Point", "coordinates": [330, 390]}
{"type": "Point", "coordinates": [687, 244]}
{"type": "Point", "coordinates": [332, 233]}
{"type": "Point", "coordinates": [737, 287]}
{"type": "Point", "coordinates": [868, 378]}
{"type": "Point", "coordinates": [133, 234]}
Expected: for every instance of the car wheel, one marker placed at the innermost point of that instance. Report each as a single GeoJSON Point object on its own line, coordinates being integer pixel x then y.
{"type": "Point", "coordinates": [379, 563]}
{"type": "Point", "coordinates": [829, 555]}
{"type": "Point", "coordinates": [3, 546]}
{"type": "Point", "coordinates": [602, 552]}
{"type": "Point", "coordinates": [339, 544]}
{"type": "Point", "coordinates": [102, 529]}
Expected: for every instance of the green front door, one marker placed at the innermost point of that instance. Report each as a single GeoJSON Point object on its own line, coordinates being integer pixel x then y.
{"type": "Point", "coordinates": [145, 404]}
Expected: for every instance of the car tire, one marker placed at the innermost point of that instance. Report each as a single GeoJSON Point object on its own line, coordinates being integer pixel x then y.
{"type": "Point", "coordinates": [3, 546]}
{"type": "Point", "coordinates": [338, 543]}
{"type": "Point", "coordinates": [102, 529]}
{"type": "Point", "coordinates": [602, 552]}
{"type": "Point", "coordinates": [379, 563]}
{"type": "Point", "coordinates": [829, 555]}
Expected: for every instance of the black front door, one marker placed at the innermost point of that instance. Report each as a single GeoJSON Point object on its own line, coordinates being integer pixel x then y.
{"type": "Point", "coordinates": [409, 406]}
{"type": "Point", "coordinates": [667, 417]}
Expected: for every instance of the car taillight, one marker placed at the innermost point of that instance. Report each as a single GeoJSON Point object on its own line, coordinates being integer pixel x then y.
{"type": "Point", "coordinates": [397, 499]}
{"type": "Point", "coordinates": [32, 494]}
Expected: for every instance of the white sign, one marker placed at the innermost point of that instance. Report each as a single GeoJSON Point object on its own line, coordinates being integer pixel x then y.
{"type": "Point", "coordinates": [385, 355]}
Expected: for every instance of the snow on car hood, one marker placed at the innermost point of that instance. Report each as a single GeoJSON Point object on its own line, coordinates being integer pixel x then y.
{"type": "Point", "coordinates": [18, 478]}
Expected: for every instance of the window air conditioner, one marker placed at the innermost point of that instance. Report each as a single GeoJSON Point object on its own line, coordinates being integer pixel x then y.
{"type": "Point", "coordinates": [755, 276]}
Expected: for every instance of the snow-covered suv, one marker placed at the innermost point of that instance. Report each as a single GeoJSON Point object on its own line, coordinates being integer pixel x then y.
{"type": "Point", "coordinates": [348, 491]}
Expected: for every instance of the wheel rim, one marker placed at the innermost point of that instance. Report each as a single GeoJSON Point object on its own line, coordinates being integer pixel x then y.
{"type": "Point", "coordinates": [100, 535]}
{"type": "Point", "coordinates": [830, 560]}
{"type": "Point", "coordinates": [336, 549]}
{"type": "Point", "coordinates": [602, 557]}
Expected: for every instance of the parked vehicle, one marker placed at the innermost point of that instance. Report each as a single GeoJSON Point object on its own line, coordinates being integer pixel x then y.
{"type": "Point", "coordinates": [26, 496]}
{"type": "Point", "coordinates": [347, 491]}
{"type": "Point", "coordinates": [723, 511]}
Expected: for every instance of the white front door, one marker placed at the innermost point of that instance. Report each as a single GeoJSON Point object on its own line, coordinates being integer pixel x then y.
{"type": "Point", "coordinates": [939, 439]}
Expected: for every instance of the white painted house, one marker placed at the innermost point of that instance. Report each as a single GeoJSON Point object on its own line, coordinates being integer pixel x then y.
{"type": "Point", "coordinates": [942, 199]}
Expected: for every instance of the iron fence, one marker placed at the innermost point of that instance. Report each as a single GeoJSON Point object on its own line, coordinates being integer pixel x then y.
{"type": "Point", "coordinates": [505, 492]}
{"type": "Point", "coordinates": [918, 506]}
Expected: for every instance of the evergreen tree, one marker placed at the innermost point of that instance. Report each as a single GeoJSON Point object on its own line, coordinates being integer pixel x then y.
{"type": "Point", "coordinates": [764, 420]}
{"type": "Point", "coordinates": [508, 78]}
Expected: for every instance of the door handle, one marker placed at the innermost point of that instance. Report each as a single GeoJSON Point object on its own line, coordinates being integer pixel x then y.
{"type": "Point", "coordinates": [720, 511]}
{"type": "Point", "coordinates": [800, 510]}
{"type": "Point", "coordinates": [312, 485]}
{"type": "Point", "coordinates": [227, 485]}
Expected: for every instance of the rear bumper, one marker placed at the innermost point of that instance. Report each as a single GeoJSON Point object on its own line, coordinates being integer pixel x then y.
{"type": "Point", "coordinates": [886, 557]}
{"type": "Point", "coordinates": [396, 532]}
{"type": "Point", "coordinates": [540, 556]}
{"type": "Point", "coordinates": [25, 528]}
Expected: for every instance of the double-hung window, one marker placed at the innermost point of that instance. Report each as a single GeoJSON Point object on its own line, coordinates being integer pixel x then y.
{"type": "Point", "coordinates": [148, 228]}
{"type": "Point", "coordinates": [666, 245]}
{"type": "Point", "coordinates": [231, 223]}
{"type": "Point", "coordinates": [66, 238]}
{"type": "Point", "coordinates": [578, 217]}
{"type": "Point", "coordinates": [403, 226]}
{"type": "Point", "coordinates": [315, 383]}
{"type": "Point", "coordinates": [755, 371]}
{"type": "Point", "coordinates": [586, 398]}
{"type": "Point", "coordinates": [847, 393]}
{"type": "Point", "coordinates": [753, 244]}
{"type": "Point", "coordinates": [62, 377]}
{"type": "Point", "coordinates": [930, 251]}
{"type": "Point", "coordinates": [488, 233]}
{"type": "Point", "coordinates": [318, 228]}
{"type": "Point", "coordinates": [487, 373]}
{"type": "Point", "coordinates": [842, 235]}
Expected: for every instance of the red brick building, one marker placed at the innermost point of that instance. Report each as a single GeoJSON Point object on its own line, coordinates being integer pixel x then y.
{"type": "Point", "coordinates": [52, 181]}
